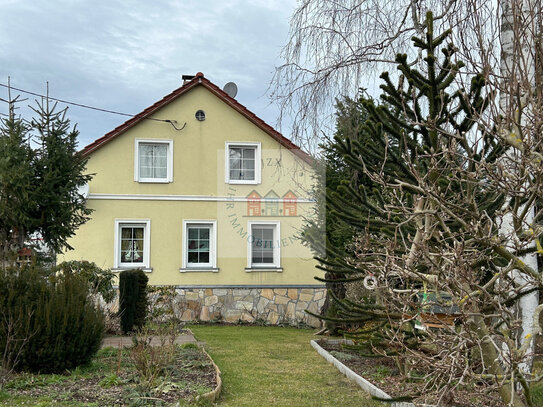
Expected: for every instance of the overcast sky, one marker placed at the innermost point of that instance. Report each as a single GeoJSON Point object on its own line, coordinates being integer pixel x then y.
{"type": "Point", "coordinates": [126, 55]}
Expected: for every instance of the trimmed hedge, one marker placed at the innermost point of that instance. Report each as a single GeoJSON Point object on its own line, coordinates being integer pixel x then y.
{"type": "Point", "coordinates": [49, 324]}
{"type": "Point", "coordinates": [132, 299]}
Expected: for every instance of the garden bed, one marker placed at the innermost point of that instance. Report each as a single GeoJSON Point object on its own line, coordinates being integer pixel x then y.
{"type": "Point", "coordinates": [384, 375]}
{"type": "Point", "coordinates": [112, 379]}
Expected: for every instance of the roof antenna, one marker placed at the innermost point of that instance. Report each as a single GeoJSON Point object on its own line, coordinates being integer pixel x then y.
{"type": "Point", "coordinates": [231, 89]}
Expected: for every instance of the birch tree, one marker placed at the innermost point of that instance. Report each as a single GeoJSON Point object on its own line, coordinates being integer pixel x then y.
{"type": "Point", "coordinates": [446, 223]}
{"type": "Point", "coordinates": [335, 48]}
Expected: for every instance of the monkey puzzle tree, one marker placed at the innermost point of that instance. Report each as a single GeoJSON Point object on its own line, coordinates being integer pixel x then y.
{"type": "Point", "coordinates": [444, 179]}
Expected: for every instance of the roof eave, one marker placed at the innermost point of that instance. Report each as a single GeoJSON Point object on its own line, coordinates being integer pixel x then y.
{"type": "Point", "coordinates": [198, 80]}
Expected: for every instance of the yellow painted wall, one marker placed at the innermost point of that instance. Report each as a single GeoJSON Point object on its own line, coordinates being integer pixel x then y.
{"type": "Point", "coordinates": [198, 169]}
{"type": "Point", "coordinates": [198, 152]}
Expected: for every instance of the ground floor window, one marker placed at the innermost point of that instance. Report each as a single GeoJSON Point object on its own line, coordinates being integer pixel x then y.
{"type": "Point", "coordinates": [263, 249]}
{"type": "Point", "coordinates": [199, 244]}
{"type": "Point", "coordinates": [132, 243]}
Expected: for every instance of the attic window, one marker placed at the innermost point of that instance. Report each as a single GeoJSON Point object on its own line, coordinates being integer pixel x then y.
{"type": "Point", "coordinates": [153, 161]}
{"type": "Point", "coordinates": [200, 115]}
{"type": "Point", "coordinates": [242, 163]}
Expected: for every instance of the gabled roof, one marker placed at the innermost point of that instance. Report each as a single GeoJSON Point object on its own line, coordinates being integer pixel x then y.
{"type": "Point", "coordinates": [198, 80]}
{"type": "Point", "coordinates": [254, 194]}
{"type": "Point", "coordinates": [289, 194]}
{"type": "Point", "coordinates": [271, 194]}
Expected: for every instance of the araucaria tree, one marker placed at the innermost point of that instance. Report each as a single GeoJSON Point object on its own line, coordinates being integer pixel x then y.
{"type": "Point", "coordinates": [443, 211]}
{"type": "Point", "coordinates": [40, 173]}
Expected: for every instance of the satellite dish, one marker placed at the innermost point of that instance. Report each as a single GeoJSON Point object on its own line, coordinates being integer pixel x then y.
{"type": "Point", "coordinates": [231, 89]}
{"type": "Point", "coordinates": [83, 190]}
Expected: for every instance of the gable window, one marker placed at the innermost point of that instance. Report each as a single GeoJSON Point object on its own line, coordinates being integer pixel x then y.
{"type": "Point", "coordinates": [153, 161]}
{"type": "Point", "coordinates": [243, 163]}
{"type": "Point", "coordinates": [263, 246]}
{"type": "Point", "coordinates": [199, 245]}
{"type": "Point", "coordinates": [132, 244]}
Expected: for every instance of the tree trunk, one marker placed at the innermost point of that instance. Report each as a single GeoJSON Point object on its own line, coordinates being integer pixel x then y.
{"type": "Point", "coordinates": [492, 361]}
{"type": "Point", "coordinates": [518, 69]}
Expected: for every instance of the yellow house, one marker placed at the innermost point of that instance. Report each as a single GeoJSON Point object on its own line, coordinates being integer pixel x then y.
{"type": "Point", "coordinates": [174, 193]}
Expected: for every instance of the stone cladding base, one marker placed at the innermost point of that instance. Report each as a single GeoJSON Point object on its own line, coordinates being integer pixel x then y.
{"type": "Point", "coordinates": [268, 305]}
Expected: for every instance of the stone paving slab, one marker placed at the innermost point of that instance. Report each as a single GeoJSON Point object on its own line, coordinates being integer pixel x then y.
{"type": "Point", "coordinates": [125, 341]}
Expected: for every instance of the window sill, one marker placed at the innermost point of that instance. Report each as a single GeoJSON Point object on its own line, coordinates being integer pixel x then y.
{"type": "Point", "coordinates": [235, 182]}
{"type": "Point", "coordinates": [154, 181]}
{"type": "Point", "coordinates": [199, 270]}
{"type": "Point", "coordinates": [264, 269]}
{"type": "Point", "coordinates": [145, 269]}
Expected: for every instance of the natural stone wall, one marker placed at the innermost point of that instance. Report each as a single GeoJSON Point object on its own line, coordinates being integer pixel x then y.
{"type": "Point", "coordinates": [270, 305]}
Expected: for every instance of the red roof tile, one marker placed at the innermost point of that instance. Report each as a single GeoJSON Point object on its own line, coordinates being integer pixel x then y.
{"type": "Point", "coordinates": [198, 80]}
{"type": "Point", "coordinates": [25, 252]}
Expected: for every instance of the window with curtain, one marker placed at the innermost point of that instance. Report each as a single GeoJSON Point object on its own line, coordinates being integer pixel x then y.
{"type": "Point", "coordinates": [153, 161]}
{"type": "Point", "coordinates": [132, 244]}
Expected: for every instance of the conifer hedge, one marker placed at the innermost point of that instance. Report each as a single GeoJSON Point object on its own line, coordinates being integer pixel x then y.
{"type": "Point", "coordinates": [48, 323]}
{"type": "Point", "coordinates": [132, 299]}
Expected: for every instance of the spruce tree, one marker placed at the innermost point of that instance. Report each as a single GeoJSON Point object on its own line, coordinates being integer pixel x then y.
{"type": "Point", "coordinates": [326, 233]}
{"type": "Point", "coordinates": [40, 173]}
{"type": "Point", "coordinates": [16, 184]}
{"type": "Point", "coordinates": [427, 212]}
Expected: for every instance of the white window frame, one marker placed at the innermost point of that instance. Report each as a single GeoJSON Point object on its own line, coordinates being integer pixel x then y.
{"type": "Point", "coordinates": [212, 265]}
{"type": "Point", "coordinates": [276, 265]}
{"type": "Point", "coordinates": [258, 162]}
{"type": "Point", "coordinates": [146, 223]}
{"type": "Point", "coordinates": [169, 171]}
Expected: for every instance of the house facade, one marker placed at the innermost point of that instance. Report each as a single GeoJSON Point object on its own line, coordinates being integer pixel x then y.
{"type": "Point", "coordinates": [204, 196]}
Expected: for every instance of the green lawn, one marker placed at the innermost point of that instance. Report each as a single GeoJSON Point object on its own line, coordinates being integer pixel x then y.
{"type": "Point", "coordinates": [272, 366]}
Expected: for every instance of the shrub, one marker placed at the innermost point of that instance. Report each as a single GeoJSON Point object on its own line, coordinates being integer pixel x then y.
{"type": "Point", "coordinates": [112, 322]}
{"type": "Point", "coordinates": [55, 326]}
{"type": "Point", "coordinates": [161, 304]}
{"type": "Point", "coordinates": [151, 360]}
{"type": "Point", "coordinates": [100, 280]}
{"type": "Point", "coordinates": [132, 299]}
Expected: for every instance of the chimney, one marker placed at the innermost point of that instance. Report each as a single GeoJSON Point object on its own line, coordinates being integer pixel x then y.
{"type": "Point", "coordinates": [187, 78]}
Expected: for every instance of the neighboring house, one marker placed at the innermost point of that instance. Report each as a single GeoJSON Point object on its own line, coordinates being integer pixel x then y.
{"type": "Point", "coordinates": [178, 190]}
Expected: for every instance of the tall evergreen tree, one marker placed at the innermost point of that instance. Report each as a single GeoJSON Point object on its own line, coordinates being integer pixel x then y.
{"type": "Point", "coordinates": [437, 183]}
{"type": "Point", "coordinates": [16, 184]}
{"type": "Point", "coordinates": [327, 234]}
{"type": "Point", "coordinates": [40, 173]}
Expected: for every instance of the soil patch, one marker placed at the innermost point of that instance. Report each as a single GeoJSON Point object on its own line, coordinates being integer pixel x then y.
{"type": "Point", "coordinates": [111, 379]}
{"type": "Point", "coordinates": [383, 373]}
